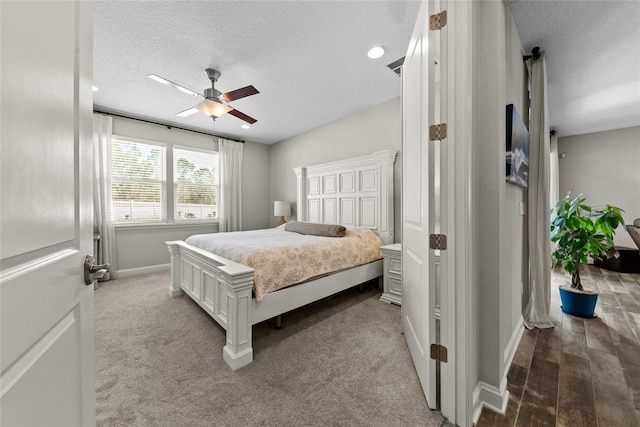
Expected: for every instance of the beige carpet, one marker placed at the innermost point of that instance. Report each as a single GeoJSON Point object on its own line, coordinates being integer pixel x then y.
{"type": "Point", "coordinates": [341, 362]}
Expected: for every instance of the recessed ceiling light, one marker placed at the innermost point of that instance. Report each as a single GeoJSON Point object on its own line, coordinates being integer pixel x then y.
{"type": "Point", "coordinates": [375, 52]}
{"type": "Point", "coordinates": [94, 88]}
{"type": "Point", "coordinates": [245, 126]}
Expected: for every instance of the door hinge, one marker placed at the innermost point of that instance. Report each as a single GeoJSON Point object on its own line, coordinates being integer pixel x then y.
{"type": "Point", "coordinates": [437, 21]}
{"type": "Point", "coordinates": [438, 241]}
{"type": "Point", "coordinates": [438, 132]}
{"type": "Point", "coordinates": [439, 353]}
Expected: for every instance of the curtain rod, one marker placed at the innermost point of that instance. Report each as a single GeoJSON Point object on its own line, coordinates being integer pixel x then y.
{"type": "Point", "coordinates": [168, 126]}
{"type": "Point", "coordinates": [536, 54]}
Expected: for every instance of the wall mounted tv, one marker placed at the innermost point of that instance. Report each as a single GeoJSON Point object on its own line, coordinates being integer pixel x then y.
{"type": "Point", "coordinates": [517, 149]}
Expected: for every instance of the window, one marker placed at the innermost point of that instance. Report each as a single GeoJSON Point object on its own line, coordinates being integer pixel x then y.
{"type": "Point", "coordinates": [140, 172]}
{"type": "Point", "coordinates": [138, 182]}
{"type": "Point", "coordinates": [195, 174]}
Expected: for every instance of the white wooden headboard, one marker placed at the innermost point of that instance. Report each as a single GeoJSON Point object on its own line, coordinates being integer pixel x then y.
{"type": "Point", "coordinates": [356, 191]}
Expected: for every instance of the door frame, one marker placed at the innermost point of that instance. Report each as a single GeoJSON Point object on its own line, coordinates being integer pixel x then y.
{"type": "Point", "coordinates": [458, 307]}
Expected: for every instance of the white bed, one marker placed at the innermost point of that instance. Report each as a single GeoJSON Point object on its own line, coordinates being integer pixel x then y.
{"type": "Point", "coordinates": [356, 192]}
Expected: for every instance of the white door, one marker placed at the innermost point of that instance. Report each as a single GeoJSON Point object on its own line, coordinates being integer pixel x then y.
{"type": "Point", "coordinates": [46, 310]}
{"type": "Point", "coordinates": [418, 203]}
{"type": "Point", "coordinates": [437, 194]}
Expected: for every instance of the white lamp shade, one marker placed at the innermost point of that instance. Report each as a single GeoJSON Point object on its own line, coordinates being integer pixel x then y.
{"type": "Point", "coordinates": [281, 208]}
{"type": "Point", "coordinates": [213, 108]}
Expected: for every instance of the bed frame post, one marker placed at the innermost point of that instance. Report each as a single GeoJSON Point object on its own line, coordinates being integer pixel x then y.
{"type": "Point", "coordinates": [238, 351]}
{"type": "Point", "coordinates": [301, 207]}
{"type": "Point", "coordinates": [176, 262]}
{"type": "Point", "coordinates": [385, 160]}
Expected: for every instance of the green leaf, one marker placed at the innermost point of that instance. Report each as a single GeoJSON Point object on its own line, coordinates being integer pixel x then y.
{"type": "Point", "coordinates": [580, 230]}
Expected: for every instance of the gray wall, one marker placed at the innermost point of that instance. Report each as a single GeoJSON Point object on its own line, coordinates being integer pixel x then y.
{"type": "Point", "coordinates": [605, 166]}
{"type": "Point", "coordinates": [499, 239]}
{"type": "Point", "coordinates": [257, 207]}
{"type": "Point", "coordinates": [515, 240]}
{"type": "Point", "coordinates": [378, 128]}
{"type": "Point", "coordinates": [141, 248]}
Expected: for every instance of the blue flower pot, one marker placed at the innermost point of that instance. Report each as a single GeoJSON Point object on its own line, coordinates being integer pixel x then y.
{"type": "Point", "coordinates": [577, 303]}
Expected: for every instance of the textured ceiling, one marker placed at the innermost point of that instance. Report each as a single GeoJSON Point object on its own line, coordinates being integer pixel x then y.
{"type": "Point", "coordinates": [592, 51]}
{"type": "Point", "coordinates": [308, 59]}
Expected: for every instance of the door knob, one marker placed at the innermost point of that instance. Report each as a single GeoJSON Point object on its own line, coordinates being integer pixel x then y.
{"type": "Point", "coordinates": [93, 271]}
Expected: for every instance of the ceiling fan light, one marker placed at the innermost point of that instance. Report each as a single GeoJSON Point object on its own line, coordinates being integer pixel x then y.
{"type": "Point", "coordinates": [213, 108]}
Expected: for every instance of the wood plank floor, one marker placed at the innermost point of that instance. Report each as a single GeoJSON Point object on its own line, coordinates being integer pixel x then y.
{"type": "Point", "coordinates": [583, 372]}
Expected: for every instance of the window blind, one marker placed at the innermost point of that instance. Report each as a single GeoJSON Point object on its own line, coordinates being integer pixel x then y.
{"type": "Point", "coordinates": [138, 181]}
{"type": "Point", "coordinates": [196, 184]}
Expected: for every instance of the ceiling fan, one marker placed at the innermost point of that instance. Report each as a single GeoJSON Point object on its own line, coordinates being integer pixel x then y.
{"type": "Point", "coordinates": [215, 102]}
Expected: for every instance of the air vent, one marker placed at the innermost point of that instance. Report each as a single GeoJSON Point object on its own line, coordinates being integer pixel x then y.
{"type": "Point", "coordinates": [396, 66]}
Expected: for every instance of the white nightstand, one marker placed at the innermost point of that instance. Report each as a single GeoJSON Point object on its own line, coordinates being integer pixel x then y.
{"type": "Point", "coordinates": [392, 274]}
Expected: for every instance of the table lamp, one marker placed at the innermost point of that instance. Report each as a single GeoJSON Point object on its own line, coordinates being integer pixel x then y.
{"type": "Point", "coordinates": [281, 209]}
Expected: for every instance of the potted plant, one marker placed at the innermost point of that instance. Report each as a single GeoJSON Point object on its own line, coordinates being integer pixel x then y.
{"type": "Point", "coordinates": [579, 231]}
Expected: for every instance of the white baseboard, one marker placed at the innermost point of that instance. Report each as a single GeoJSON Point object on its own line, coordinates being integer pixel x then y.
{"type": "Point", "coordinates": [131, 272]}
{"type": "Point", "coordinates": [486, 395]}
{"type": "Point", "coordinates": [512, 345]}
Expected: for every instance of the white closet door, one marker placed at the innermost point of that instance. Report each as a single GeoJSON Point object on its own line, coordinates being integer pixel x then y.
{"type": "Point", "coordinates": [418, 218]}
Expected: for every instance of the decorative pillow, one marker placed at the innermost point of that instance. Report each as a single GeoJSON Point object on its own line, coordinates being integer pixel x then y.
{"type": "Point", "coordinates": [636, 223]}
{"type": "Point", "coordinates": [327, 230]}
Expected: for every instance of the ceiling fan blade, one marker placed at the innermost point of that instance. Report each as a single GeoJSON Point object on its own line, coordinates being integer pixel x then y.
{"type": "Point", "coordinates": [242, 116]}
{"type": "Point", "coordinates": [170, 83]}
{"type": "Point", "coordinates": [188, 112]}
{"type": "Point", "coordinates": [239, 93]}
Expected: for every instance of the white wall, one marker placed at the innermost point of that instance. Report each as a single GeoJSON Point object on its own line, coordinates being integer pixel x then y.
{"type": "Point", "coordinates": [499, 253]}
{"type": "Point", "coordinates": [141, 248]}
{"type": "Point", "coordinates": [516, 240]}
{"type": "Point", "coordinates": [605, 166]}
{"type": "Point", "coordinates": [375, 129]}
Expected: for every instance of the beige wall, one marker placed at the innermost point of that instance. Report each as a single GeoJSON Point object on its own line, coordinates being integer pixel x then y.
{"type": "Point", "coordinates": [605, 166]}
{"type": "Point", "coordinates": [375, 129]}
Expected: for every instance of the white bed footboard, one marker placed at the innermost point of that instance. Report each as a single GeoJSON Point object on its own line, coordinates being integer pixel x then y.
{"type": "Point", "coordinates": [223, 289]}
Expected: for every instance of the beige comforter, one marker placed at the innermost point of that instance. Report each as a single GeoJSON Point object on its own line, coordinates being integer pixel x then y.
{"type": "Point", "coordinates": [282, 258]}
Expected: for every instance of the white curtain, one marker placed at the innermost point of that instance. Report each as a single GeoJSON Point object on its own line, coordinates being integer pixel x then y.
{"type": "Point", "coordinates": [230, 160]}
{"type": "Point", "coordinates": [536, 312]}
{"type": "Point", "coordinates": [103, 225]}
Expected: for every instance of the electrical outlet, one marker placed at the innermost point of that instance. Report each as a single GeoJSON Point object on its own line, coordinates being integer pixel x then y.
{"type": "Point", "coordinates": [523, 206]}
